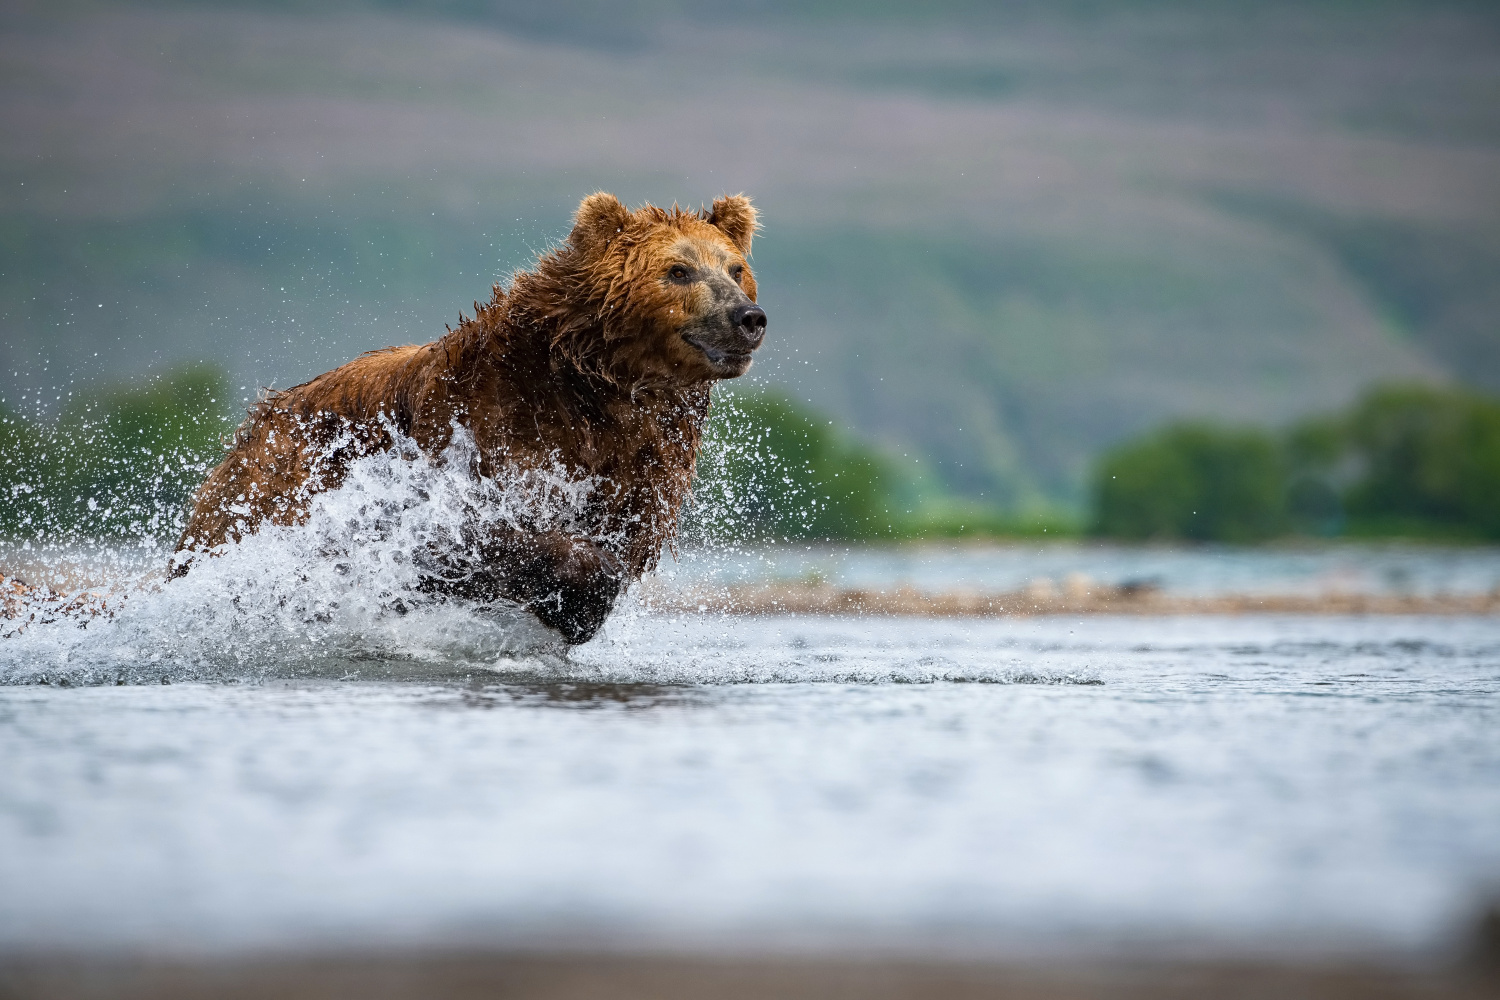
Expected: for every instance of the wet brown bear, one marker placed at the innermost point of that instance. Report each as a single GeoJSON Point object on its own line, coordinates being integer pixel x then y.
{"type": "Point", "coordinates": [599, 361]}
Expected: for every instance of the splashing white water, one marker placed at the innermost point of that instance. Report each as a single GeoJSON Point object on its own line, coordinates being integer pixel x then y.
{"type": "Point", "coordinates": [336, 590]}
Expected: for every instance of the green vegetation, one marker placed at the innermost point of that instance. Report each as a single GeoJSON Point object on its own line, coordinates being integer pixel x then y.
{"type": "Point", "coordinates": [771, 469]}
{"type": "Point", "coordinates": [120, 466]}
{"type": "Point", "coordinates": [1405, 460]}
{"type": "Point", "coordinates": [124, 465]}
{"type": "Point", "coordinates": [1431, 462]}
{"type": "Point", "coordinates": [956, 517]}
{"type": "Point", "coordinates": [1194, 481]}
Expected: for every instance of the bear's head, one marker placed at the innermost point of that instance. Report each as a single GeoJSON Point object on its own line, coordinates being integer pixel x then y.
{"type": "Point", "coordinates": [657, 295]}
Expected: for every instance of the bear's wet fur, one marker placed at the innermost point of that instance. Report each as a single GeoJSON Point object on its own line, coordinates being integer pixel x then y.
{"type": "Point", "coordinates": [598, 363]}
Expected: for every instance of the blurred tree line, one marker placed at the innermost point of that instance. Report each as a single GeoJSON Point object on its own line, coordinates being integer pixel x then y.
{"type": "Point", "coordinates": [1412, 460]}
{"type": "Point", "coordinates": [121, 464]}
{"type": "Point", "coordinates": [124, 464]}
{"type": "Point", "coordinates": [773, 469]}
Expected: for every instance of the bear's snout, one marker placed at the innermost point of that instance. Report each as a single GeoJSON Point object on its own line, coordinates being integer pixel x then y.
{"type": "Point", "coordinates": [727, 338]}
{"type": "Point", "coordinates": [749, 320]}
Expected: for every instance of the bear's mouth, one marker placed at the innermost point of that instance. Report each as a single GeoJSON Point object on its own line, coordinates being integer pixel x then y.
{"type": "Point", "coordinates": [725, 358]}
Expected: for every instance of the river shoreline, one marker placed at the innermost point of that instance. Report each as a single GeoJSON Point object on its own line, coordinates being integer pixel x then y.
{"type": "Point", "coordinates": [826, 599]}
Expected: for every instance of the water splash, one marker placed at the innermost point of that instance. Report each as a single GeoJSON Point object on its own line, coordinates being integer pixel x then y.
{"type": "Point", "coordinates": [338, 596]}
{"type": "Point", "coordinates": [338, 590]}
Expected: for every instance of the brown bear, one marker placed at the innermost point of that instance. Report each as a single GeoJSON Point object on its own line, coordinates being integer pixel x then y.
{"type": "Point", "coordinates": [598, 362]}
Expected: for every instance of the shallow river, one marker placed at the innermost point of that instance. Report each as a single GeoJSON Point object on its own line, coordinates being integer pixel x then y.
{"type": "Point", "coordinates": [990, 786]}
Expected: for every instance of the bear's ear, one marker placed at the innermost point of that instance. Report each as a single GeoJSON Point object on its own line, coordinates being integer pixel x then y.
{"type": "Point", "coordinates": [735, 217]}
{"type": "Point", "coordinates": [599, 217]}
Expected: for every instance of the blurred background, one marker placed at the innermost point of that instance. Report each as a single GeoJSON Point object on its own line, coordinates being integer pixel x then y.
{"type": "Point", "coordinates": [1147, 268]}
{"type": "Point", "coordinates": [1194, 271]}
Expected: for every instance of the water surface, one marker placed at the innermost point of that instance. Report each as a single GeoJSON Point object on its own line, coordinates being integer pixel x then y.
{"type": "Point", "coordinates": [1311, 569]}
{"type": "Point", "coordinates": [994, 786]}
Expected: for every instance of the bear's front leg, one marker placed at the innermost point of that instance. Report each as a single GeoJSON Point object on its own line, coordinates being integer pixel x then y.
{"type": "Point", "coordinates": [569, 583]}
{"type": "Point", "coordinates": [576, 593]}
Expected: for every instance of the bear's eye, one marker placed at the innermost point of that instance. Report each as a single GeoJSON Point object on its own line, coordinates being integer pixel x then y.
{"type": "Point", "coordinates": [678, 273]}
{"type": "Point", "coordinates": [737, 271]}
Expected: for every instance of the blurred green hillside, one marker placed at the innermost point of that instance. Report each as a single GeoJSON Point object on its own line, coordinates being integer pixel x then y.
{"type": "Point", "coordinates": [999, 237]}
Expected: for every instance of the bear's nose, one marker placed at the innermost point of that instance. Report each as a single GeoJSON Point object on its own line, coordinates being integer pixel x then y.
{"type": "Point", "coordinates": [751, 321]}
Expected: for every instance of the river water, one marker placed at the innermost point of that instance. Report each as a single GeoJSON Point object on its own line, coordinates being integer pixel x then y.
{"type": "Point", "coordinates": [233, 766]}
